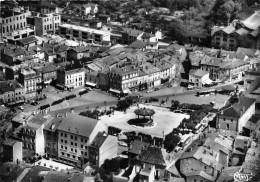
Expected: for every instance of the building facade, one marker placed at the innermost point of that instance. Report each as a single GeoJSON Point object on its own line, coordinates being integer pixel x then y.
{"type": "Point", "coordinates": [235, 116]}
{"type": "Point", "coordinates": [11, 92]}
{"type": "Point", "coordinates": [46, 23]}
{"type": "Point", "coordinates": [70, 77]}
{"type": "Point", "coordinates": [75, 137]}
{"type": "Point", "coordinates": [84, 33]}
{"type": "Point", "coordinates": [32, 82]}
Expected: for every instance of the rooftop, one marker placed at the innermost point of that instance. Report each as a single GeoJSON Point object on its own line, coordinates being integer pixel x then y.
{"type": "Point", "coordinates": [152, 155]}
{"type": "Point", "coordinates": [28, 40]}
{"type": "Point", "coordinates": [137, 146]}
{"type": "Point", "coordinates": [198, 73]}
{"type": "Point", "coordinates": [253, 22]}
{"type": "Point", "coordinates": [81, 125]}
{"type": "Point", "coordinates": [83, 29]}
{"type": "Point", "coordinates": [9, 86]}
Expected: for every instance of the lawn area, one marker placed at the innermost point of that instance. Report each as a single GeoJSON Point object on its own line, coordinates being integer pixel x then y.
{"type": "Point", "coordinates": [164, 119]}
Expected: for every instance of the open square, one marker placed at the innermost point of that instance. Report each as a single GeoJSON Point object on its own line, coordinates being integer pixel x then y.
{"type": "Point", "coordinates": [164, 120]}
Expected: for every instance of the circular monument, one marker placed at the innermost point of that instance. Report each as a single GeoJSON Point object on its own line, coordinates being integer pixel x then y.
{"type": "Point", "coordinates": [144, 118]}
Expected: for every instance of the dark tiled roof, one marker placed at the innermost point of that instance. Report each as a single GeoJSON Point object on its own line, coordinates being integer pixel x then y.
{"type": "Point", "coordinates": [138, 146]}
{"type": "Point", "coordinates": [198, 73]}
{"type": "Point", "coordinates": [33, 174]}
{"type": "Point", "coordinates": [152, 155]}
{"type": "Point", "coordinates": [138, 44]}
{"type": "Point", "coordinates": [53, 124]}
{"type": "Point", "coordinates": [49, 68]}
{"type": "Point", "coordinates": [28, 40]}
{"type": "Point", "coordinates": [80, 125]}
{"type": "Point", "coordinates": [10, 85]}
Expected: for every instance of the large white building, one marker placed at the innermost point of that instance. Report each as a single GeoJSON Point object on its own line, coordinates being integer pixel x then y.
{"type": "Point", "coordinates": [75, 134]}
{"type": "Point", "coordinates": [84, 33]}
{"type": "Point", "coordinates": [70, 78]}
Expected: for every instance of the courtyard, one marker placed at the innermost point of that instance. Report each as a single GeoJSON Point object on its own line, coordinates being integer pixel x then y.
{"type": "Point", "coordinates": [164, 120]}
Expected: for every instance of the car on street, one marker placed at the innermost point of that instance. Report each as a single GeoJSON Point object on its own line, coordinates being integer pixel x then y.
{"type": "Point", "coordinates": [169, 85]}
{"type": "Point", "coordinates": [149, 91]}
{"type": "Point", "coordinates": [156, 89]}
{"type": "Point", "coordinates": [177, 149]}
{"type": "Point", "coordinates": [21, 107]}
{"type": "Point", "coordinates": [35, 103]}
{"type": "Point", "coordinates": [178, 111]}
{"type": "Point", "coordinates": [122, 144]}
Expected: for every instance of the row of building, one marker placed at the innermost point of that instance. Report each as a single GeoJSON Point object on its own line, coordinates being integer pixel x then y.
{"type": "Point", "coordinates": [76, 143]}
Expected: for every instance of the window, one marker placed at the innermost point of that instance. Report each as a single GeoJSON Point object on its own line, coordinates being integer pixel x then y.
{"type": "Point", "coordinates": [227, 126]}
{"type": "Point", "coordinates": [65, 141]}
{"type": "Point", "coordinates": [73, 156]}
{"type": "Point", "coordinates": [61, 146]}
{"type": "Point", "coordinates": [76, 144]}
{"type": "Point", "coordinates": [75, 138]}
{"type": "Point", "coordinates": [82, 146]}
{"type": "Point", "coordinates": [231, 120]}
{"type": "Point", "coordinates": [76, 150]}
{"type": "Point", "coordinates": [71, 137]}
{"type": "Point", "coordinates": [66, 148]}
{"type": "Point", "coordinates": [81, 139]}
{"type": "Point", "coordinates": [81, 152]}
{"type": "Point", "coordinates": [71, 143]}
{"type": "Point", "coordinates": [68, 155]}
{"type": "Point", "coordinates": [224, 119]}
{"type": "Point", "coordinates": [61, 140]}
{"type": "Point", "coordinates": [201, 181]}
{"type": "Point", "coordinates": [71, 149]}
{"type": "Point", "coordinates": [86, 153]}
{"type": "Point", "coordinates": [205, 167]}
{"type": "Point", "coordinates": [65, 135]}
{"type": "Point", "coordinates": [86, 147]}
{"type": "Point", "coordinates": [194, 180]}
{"type": "Point", "coordinates": [62, 153]}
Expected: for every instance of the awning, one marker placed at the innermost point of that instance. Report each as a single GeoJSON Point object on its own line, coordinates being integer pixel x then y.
{"type": "Point", "coordinates": [19, 101]}
{"type": "Point", "coordinates": [115, 91]}
{"type": "Point", "coordinates": [91, 84]}
{"type": "Point", "coordinates": [208, 81]}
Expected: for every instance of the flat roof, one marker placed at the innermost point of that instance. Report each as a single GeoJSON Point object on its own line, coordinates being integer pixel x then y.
{"type": "Point", "coordinates": [83, 29]}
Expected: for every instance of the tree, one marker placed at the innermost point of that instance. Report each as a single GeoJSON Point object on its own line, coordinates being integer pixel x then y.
{"type": "Point", "coordinates": [225, 11]}
{"type": "Point", "coordinates": [171, 141]}
{"type": "Point", "coordinates": [177, 31]}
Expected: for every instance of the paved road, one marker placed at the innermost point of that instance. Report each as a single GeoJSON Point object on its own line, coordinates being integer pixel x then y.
{"type": "Point", "coordinates": [156, 94]}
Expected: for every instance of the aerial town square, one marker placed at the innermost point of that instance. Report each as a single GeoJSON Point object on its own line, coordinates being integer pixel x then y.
{"type": "Point", "coordinates": [130, 91]}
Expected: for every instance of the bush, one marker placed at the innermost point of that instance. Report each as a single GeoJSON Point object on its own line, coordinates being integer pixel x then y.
{"type": "Point", "coordinates": [153, 99]}
{"type": "Point", "coordinates": [70, 97]}
{"type": "Point", "coordinates": [83, 92]}
{"type": "Point", "coordinates": [113, 130]}
{"type": "Point", "coordinates": [44, 106]}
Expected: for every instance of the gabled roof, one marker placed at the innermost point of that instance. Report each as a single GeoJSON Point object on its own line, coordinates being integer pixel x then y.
{"type": "Point", "coordinates": [247, 51]}
{"type": "Point", "coordinates": [28, 40]}
{"type": "Point", "coordinates": [152, 155]}
{"type": "Point", "coordinates": [253, 22]}
{"type": "Point", "coordinates": [138, 44]}
{"type": "Point", "coordinates": [137, 146]}
{"type": "Point", "coordinates": [8, 86]}
{"type": "Point", "coordinates": [198, 73]}
{"type": "Point", "coordinates": [77, 124]}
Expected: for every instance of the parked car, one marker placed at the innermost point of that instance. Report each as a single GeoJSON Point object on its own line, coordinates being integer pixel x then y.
{"type": "Point", "coordinates": [35, 103]}
{"type": "Point", "coordinates": [89, 89]}
{"type": "Point", "coordinates": [156, 89]}
{"type": "Point", "coordinates": [177, 148]}
{"type": "Point", "coordinates": [122, 144]}
{"type": "Point", "coordinates": [178, 111]}
{"type": "Point", "coordinates": [212, 103]}
{"type": "Point", "coordinates": [169, 85]}
{"type": "Point", "coordinates": [149, 91]}
{"type": "Point", "coordinates": [21, 107]}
